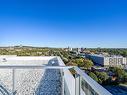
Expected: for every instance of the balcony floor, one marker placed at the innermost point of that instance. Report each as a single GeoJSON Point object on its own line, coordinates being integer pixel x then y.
{"type": "Point", "coordinates": [51, 82]}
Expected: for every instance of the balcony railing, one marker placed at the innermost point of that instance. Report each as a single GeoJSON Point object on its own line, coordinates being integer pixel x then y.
{"type": "Point", "coordinates": [47, 80]}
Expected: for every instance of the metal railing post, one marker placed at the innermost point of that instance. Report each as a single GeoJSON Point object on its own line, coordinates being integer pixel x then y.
{"type": "Point", "coordinates": [77, 84]}
{"type": "Point", "coordinates": [13, 80]}
{"type": "Point", "coordinates": [63, 81]}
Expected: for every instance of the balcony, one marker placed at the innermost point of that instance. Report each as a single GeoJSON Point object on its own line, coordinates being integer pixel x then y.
{"type": "Point", "coordinates": [44, 76]}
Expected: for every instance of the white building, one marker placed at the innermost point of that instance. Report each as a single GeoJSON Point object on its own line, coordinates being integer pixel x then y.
{"type": "Point", "coordinates": [107, 60]}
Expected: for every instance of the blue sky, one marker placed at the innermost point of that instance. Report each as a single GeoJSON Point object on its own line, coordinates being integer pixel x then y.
{"type": "Point", "coordinates": [62, 23]}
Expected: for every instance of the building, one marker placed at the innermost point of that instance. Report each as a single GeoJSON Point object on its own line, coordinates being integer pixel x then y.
{"type": "Point", "coordinates": [107, 60]}
{"type": "Point", "coordinates": [79, 50]}
{"type": "Point", "coordinates": [70, 49]}
{"type": "Point", "coordinates": [82, 49]}
{"type": "Point", "coordinates": [44, 76]}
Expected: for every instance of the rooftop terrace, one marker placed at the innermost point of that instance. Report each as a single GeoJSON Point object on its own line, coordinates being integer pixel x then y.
{"type": "Point", "coordinates": [44, 76]}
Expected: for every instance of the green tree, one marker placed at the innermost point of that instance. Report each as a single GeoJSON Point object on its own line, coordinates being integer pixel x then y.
{"type": "Point", "coordinates": [79, 62]}
{"type": "Point", "coordinates": [102, 76]}
{"type": "Point", "coordinates": [124, 53]}
{"type": "Point", "coordinates": [71, 64]}
{"type": "Point", "coordinates": [125, 77]}
{"type": "Point", "coordinates": [119, 73]}
{"type": "Point", "coordinates": [93, 76]}
{"type": "Point", "coordinates": [87, 64]}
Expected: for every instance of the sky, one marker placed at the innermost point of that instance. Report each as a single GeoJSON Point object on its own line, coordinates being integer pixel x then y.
{"type": "Point", "coordinates": [63, 23]}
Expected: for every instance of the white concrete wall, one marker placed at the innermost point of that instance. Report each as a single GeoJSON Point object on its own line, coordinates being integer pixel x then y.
{"type": "Point", "coordinates": [25, 60]}
{"type": "Point", "coordinates": [27, 57]}
{"type": "Point", "coordinates": [106, 61]}
{"type": "Point", "coordinates": [115, 61]}
{"type": "Point", "coordinates": [125, 61]}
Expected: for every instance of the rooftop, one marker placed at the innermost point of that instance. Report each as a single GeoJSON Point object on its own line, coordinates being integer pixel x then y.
{"type": "Point", "coordinates": [102, 55]}
{"type": "Point", "coordinates": [44, 76]}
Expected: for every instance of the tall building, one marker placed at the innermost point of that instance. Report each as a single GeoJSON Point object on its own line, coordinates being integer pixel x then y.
{"type": "Point", "coordinates": [82, 49]}
{"type": "Point", "coordinates": [70, 49]}
{"type": "Point", "coordinates": [78, 50]}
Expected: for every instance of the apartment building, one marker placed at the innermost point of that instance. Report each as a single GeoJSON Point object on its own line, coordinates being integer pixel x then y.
{"type": "Point", "coordinates": [107, 60]}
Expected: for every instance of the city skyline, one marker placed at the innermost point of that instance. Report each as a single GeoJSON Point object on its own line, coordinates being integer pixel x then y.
{"type": "Point", "coordinates": [64, 23]}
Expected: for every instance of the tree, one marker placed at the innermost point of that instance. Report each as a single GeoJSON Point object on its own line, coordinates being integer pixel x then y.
{"type": "Point", "coordinates": [125, 77]}
{"type": "Point", "coordinates": [87, 63]}
{"type": "Point", "coordinates": [93, 76]}
{"type": "Point", "coordinates": [119, 73]}
{"type": "Point", "coordinates": [65, 60]}
{"type": "Point", "coordinates": [79, 62]}
{"type": "Point", "coordinates": [124, 53]}
{"type": "Point", "coordinates": [71, 64]}
{"type": "Point", "coordinates": [102, 76]}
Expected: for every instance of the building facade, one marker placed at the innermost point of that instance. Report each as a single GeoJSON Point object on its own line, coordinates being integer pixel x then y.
{"type": "Point", "coordinates": [107, 60]}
